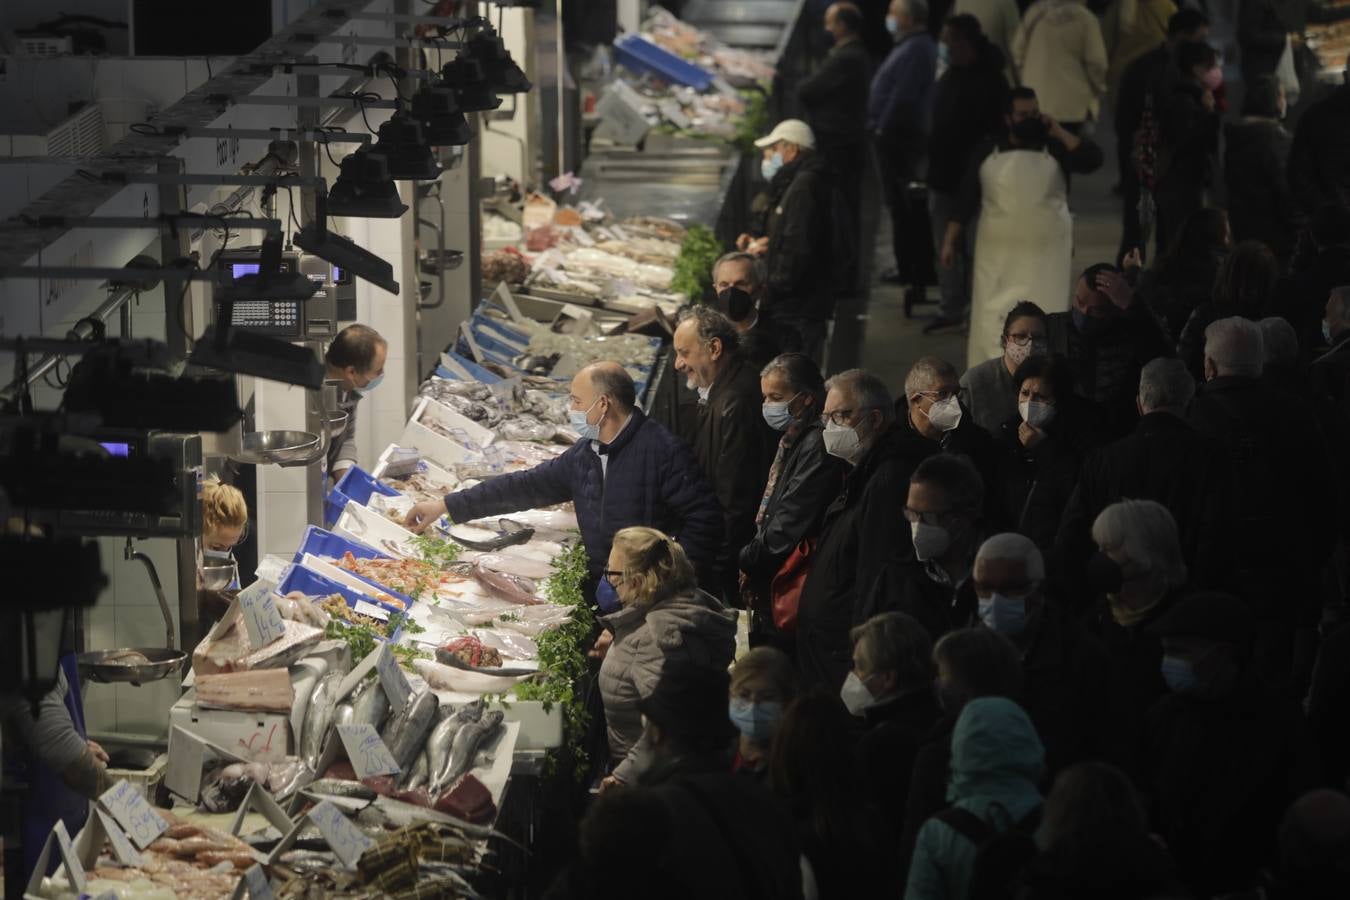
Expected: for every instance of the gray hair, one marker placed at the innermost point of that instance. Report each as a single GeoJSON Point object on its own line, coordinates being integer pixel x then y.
{"type": "Point", "coordinates": [1235, 346]}
{"type": "Point", "coordinates": [1280, 339]}
{"type": "Point", "coordinates": [800, 372]}
{"type": "Point", "coordinates": [918, 11]}
{"type": "Point", "coordinates": [1342, 293]}
{"type": "Point", "coordinates": [927, 372]}
{"type": "Point", "coordinates": [1014, 547]}
{"type": "Point", "coordinates": [867, 391]}
{"type": "Point", "coordinates": [1147, 534]}
{"type": "Point", "coordinates": [956, 476]}
{"type": "Point", "coordinates": [740, 256]}
{"type": "Point", "coordinates": [1165, 383]}
{"type": "Point", "coordinates": [712, 325]}
{"type": "Point", "coordinates": [894, 642]}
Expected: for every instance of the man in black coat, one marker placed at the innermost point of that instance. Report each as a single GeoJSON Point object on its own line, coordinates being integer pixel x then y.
{"type": "Point", "coordinates": [1321, 264]}
{"type": "Point", "coordinates": [1282, 528]}
{"type": "Point", "coordinates": [1255, 158]}
{"type": "Point", "coordinates": [862, 525]}
{"type": "Point", "coordinates": [835, 100]}
{"type": "Point", "coordinates": [739, 284]}
{"type": "Point", "coordinates": [797, 238]}
{"type": "Point", "coordinates": [1319, 159]}
{"type": "Point", "coordinates": [931, 578]}
{"type": "Point", "coordinates": [733, 445]}
{"type": "Point", "coordinates": [626, 470]}
{"type": "Point", "coordinates": [1107, 338]}
{"type": "Point", "coordinates": [1163, 459]}
{"type": "Point", "coordinates": [1068, 686]}
{"type": "Point", "coordinates": [1223, 754]}
{"type": "Point", "coordinates": [1144, 81]}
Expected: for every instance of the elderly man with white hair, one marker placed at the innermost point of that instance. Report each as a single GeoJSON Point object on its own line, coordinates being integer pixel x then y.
{"type": "Point", "coordinates": [1163, 459]}
{"type": "Point", "coordinates": [1067, 685]}
{"type": "Point", "coordinates": [1284, 492]}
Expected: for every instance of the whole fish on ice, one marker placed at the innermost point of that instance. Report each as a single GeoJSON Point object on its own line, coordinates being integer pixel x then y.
{"type": "Point", "coordinates": [470, 739]}
{"type": "Point", "coordinates": [406, 732]}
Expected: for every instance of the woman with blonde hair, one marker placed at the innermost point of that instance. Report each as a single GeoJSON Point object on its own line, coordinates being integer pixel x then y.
{"type": "Point", "coordinates": [663, 617]}
{"type": "Point", "coordinates": [224, 525]}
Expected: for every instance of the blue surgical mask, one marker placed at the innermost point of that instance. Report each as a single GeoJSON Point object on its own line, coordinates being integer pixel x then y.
{"type": "Point", "coordinates": [770, 167]}
{"type": "Point", "coordinates": [371, 385]}
{"type": "Point", "coordinates": [1326, 331]}
{"type": "Point", "coordinates": [1179, 674]}
{"type": "Point", "coordinates": [1004, 614]}
{"type": "Point", "coordinates": [606, 597]}
{"type": "Point", "coordinates": [892, 24]}
{"type": "Point", "coordinates": [757, 721]}
{"type": "Point", "coordinates": [582, 427]}
{"type": "Point", "coordinates": [777, 415]}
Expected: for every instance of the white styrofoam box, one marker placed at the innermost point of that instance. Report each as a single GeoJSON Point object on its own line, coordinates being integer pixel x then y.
{"type": "Point", "coordinates": [143, 780]}
{"type": "Point", "coordinates": [253, 736]}
{"type": "Point", "coordinates": [435, 446]}
{"type": "Point", "coordinates": [364, 526]}
{"type": "Point", "coordinates": [475, 436]}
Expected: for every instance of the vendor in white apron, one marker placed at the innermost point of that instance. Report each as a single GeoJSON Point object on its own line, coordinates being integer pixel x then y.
{"type": "Point", "coordinates": [1018, 189]}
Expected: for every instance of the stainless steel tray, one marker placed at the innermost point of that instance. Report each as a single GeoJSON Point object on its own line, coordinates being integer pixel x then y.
{"type": "Point", "coordinates": [271, 447]}
{"type": "Point", "coordinates": [163, 663]}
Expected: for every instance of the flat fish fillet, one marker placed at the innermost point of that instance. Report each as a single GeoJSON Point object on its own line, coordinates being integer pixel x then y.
{"type": "Point", "coordinates": [232, 653]}
{"type": "Point", "coordinates": [264, 690]}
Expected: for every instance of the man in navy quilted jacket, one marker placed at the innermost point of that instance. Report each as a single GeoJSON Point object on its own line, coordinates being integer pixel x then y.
{"type": "Point", "coordinates": [626, 470]}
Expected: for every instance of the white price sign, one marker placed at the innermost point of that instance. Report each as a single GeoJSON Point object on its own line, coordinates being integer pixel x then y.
{"type": "Point", "coordinates": [392, 679]}
{"type": "Point", "coordinates": [367, 752]}
{"type": "Point", "coordinates": [262, 619]}
{"type": "Point", "coordinates": [370, 609]}
{"type": "Point", "coordinates": [140, 821]}
{"type": "Point", "coordinates": [345, 838]}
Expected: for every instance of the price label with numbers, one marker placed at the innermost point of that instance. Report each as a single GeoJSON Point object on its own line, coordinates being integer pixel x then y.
{"type": "Point", "coordinates": [345, 838]}
{"type": "Point", "coordinates": [262, 619]}
{"type": "Point", "coordinates": [392, 679]}
{"type": "Point", "coordinates": [367, 752]}
{"type": "Point", "coordinates": [140, 821]}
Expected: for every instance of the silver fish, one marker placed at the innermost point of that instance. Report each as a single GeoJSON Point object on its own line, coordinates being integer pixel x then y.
{"type": "Point", "coordinates": [441, 740]}
{"type": "Point", "coordinates": [470, 739]}
{"type": "Point", "coordinates": [406, 732]}
{"type": "Point", "coordinates": [340, 787]}
{"type": "Point", "coordinates": [344, 714]}
{"type": "Point", "coordinates": [370, 706]}
{"type": "Point", "coordinates": [418, 775]}
{"type": "Point", "coordinates": [318, 719]}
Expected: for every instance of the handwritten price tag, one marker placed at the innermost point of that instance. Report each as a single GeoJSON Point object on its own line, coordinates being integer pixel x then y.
{"type": "Point", "coordinates": [370, 609]}
{"type": "Point", "coordinates": [345, 838]}
{"type": "Point", "coordinates": [122, 849]}
{"type": "Point", "coordinates": [367, 752]}
{"type": "Point", "coordinates": [141, 823]}
{"type": "Point", "coordinates": [262, 619]}
{"type": "Point", "coordinates": [392, 679]}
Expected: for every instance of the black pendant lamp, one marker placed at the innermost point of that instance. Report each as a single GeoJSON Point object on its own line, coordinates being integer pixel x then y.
{"type": "Point", "coordinates": [499, 68]}
{"type": "Point", "coordinates": [464, 74]}
{"type": "Point", "coordinates": [443, 122]}
{"type": "Point", "coordinates": [365, 189]}
{"type": "Point", "coordinates": [407, 151]}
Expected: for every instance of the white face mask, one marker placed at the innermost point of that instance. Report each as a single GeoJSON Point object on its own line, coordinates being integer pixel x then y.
{"type": "Point", "coordinates": [857, 698]}
{"type": "Point", "coordinates": [1036, 413]}
{"type": "Point", "coordinates": [842, 441]}
{"type": "Point", "coordinates": [945, 414]}
{"type": "Point", "coordinates": [1020, 353]}
{"type": "Point", "coordinates": [930, 541]}
{"type": "Point", "coordinates": [222, 555]}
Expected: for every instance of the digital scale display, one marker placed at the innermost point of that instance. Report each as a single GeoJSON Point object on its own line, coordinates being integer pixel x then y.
{"type": "Point", "coordinates": [239, 270]}
{"type": "Point", "coordinates": [116, 448]}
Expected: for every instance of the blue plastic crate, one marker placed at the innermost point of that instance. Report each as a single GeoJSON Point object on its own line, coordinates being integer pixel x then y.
{"type": "Point", "coordinates": [643, 57]}
{"type": "Point", "coordinates": [474, 369]}
{"type": "Point", "coordinates": [355, 484]}
{"type": "Point", "coordinates": [331, 546]}
{"type": "Point", "coordinates": [298, 578]}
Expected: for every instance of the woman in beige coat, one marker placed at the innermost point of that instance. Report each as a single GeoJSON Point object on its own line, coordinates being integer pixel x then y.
{"type": "Point", "coordinates": [1060, 54]}
{"type": "Point", "coordinates": [664, 616]}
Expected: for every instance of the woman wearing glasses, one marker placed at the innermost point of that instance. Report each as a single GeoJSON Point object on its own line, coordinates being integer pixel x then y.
{"type": "Point", "coordinates": [987, 390]}
{"type": "Point", "coordinates": [663, 617]}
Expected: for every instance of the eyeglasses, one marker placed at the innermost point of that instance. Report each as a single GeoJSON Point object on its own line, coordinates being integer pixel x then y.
{"type": "Point", "coordinates": [914, 516]}
{"type": "Point", "coordinates": [1022, 338]}
{"type": "Point", "coordinates": [838, 417]}
{"type": "Point", "coordinates": [944, 393]}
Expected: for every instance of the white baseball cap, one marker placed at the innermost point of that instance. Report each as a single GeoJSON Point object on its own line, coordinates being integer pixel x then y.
{"type": "Point", "coordinates": [794, 131]}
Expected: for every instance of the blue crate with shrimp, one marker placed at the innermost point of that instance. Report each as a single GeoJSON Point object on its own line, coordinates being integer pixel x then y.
{"type": "Point", "coordinates": [328, 546]}
{"type": "Point", "coordinates": [312, 584]}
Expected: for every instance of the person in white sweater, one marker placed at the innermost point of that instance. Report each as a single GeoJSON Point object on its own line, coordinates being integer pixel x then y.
{"type": "Point", "coordinates": [1059, 53]}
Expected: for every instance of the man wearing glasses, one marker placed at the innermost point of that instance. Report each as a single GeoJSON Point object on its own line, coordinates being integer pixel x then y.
{"type": "Point", "coordinates": [863, 526]}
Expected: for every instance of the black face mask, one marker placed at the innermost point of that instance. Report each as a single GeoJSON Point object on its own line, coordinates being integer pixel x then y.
{"type": "Point", "coordinates": [1104, 574]}
{"type": "Point", "coordinates": [735, 304]}
{"type": "Point", "coordinates": [1029, 131]}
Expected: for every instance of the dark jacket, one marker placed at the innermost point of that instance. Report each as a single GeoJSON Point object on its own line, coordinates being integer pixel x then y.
{"type": "Point", "coordinates": [1107, 862]}
{"type": "Point", "coordinates": [971, 441]}
{"type": "Point", "coordinates": [652, 479]}
{"type": "Point", "coordinates": [835, 96]}
{"type": "Point", "coordinates": [762, 343]}
{"type": "Point", "coordinates": [1174, 287]}
{"type": "Point", "coordinates": [1069, 690]}
{"type": "Point", "coordinates": [734, 447]}
{"type": "Point", "coordinates": [927, 793]}
{"type": "Point", "coordinates": [1106, 366]}
{"type": "Point", "coordinates": [1328, 699]}
{"type": "Point", "coordinates": [1260, 206]}
{"type": "Point", "coordinates": [1145, 77]}
{"type": "Point", "coordinates": [1135, 660]}
{"type": "Point", "coordinates": [799, 262]}
{"type": "Point", "coordinates": [967, 108]}
{"type": "Point", "coordinates": [810, 478]}
{"type": "Point", "coordinates": [1263, 28]}
{"type": "Point", "coordinates": [1329, 375]}
{"type": "Point", "coordinates": [1218, 775]}
{"type": "Point", "coordinates": [1033, 484]}
{"type": "Point", "coordinates": [1319, 158]}
{"type": "Point", "coordinates": [1284, 490]}
{"type": "Point", "coordinates": [863, 526]}
{"type": "Point", "coordinates": [1166, 460]}
{"type": "Point", "coordinates": [904, 585]}
{"type": "Point", "coordinates": [895, 730]}
{"type": "Point", "coordinates": [1303, 296]}
{"type": "Point", "coordinates": [1188, 137]}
